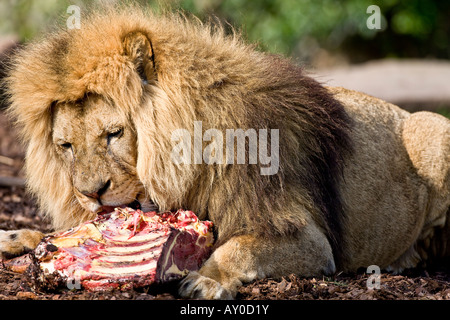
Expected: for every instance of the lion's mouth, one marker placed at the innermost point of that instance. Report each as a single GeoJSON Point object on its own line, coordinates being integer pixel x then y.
{"type": "Point", "coordinates": [135, 204]}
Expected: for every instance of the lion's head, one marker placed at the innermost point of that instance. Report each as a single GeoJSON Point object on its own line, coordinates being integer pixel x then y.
{"type": "Point", "coordinates": [97, 145]}
{"type": "Point", "coordinates": [83, 100]}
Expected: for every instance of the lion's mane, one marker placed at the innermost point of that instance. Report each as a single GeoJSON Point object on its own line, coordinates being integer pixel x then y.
{"type": "Point", "coordinates": [202, 74]}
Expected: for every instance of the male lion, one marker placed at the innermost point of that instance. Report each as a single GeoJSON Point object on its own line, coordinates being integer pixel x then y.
{"type": "Point", "coordinates": [360, 181]}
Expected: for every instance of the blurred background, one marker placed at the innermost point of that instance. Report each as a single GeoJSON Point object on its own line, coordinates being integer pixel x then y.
{"type": "Point", "coordinates": [405, 61]}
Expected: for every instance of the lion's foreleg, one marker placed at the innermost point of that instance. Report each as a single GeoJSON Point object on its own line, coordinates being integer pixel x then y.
{"type": "Point", "coordinates": [17, 242]}
{"type": "Point", "coordinates": [246, 258]}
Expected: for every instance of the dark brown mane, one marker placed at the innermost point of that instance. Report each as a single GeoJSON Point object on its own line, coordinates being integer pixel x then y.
{"type": "Point", "coordinates": [295, 101]}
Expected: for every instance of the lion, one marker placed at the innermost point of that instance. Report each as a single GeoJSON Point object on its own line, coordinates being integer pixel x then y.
{"type": "Point", "coordinates": [359, 182]}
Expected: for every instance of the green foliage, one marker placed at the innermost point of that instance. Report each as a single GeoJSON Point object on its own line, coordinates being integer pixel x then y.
{"type": "Point", "coordinates": [279, 25]}
{"type": "Point", "coordinates": [410, 28]}
{"type": "Point", "coordinates": [25, 18]}
{"type": "Point", "coordinates": [416, 28]}
{"type": "Point", "coordinates": [444, 111]}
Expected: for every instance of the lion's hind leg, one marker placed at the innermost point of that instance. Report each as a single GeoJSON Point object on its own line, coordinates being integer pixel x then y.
{"type": "Point", "coordinates": [426, 136]}
{"type": "Point", "coordinates": [17, 242]}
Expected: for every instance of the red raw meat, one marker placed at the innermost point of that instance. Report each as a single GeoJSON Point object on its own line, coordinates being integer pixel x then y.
{"type": "Point", "coordinates": [124, 249]}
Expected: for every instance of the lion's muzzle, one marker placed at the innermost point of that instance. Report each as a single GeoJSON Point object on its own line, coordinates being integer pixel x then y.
{"type": "Point", "coordinates": [97, 192]}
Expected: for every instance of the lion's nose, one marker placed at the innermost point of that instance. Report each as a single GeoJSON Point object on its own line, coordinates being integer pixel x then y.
{"type": "Point", "coordinates": [97, 194]}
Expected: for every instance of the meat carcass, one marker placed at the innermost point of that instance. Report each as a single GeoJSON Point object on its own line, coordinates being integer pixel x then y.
{"type": "Point", "coordinates": [123, 249]}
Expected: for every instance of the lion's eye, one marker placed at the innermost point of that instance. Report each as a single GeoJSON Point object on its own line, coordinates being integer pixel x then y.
{"type": "Point", "coordinates": [65, 145]}
{"type": "Point", "coordinates": [115, 134]}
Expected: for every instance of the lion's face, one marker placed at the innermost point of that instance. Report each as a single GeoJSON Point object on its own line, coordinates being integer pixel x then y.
{"type": "Point", "coordinates": [97, 144]}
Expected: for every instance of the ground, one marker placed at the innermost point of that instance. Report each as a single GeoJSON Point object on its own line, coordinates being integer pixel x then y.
{"type": "Point", "coordinates": [18, 210]}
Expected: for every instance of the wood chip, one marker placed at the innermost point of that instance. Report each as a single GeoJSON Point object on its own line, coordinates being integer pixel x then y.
{"type": "Point", "coordinates": [6, 160]}
{"type": "Point", "coordinates": [11, 181]}
{"type": "Point", "coordinates": [26, 295]}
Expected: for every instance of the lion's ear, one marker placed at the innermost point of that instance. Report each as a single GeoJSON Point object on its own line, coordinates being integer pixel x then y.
{"type": "Point", "coordinates": [139, 48]}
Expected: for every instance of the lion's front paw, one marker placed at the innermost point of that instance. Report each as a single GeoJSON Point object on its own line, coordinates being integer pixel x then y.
{"type": "Point", "coordinates": [15, 243]}
{"type": "Point", "coordinates": [196, 286]}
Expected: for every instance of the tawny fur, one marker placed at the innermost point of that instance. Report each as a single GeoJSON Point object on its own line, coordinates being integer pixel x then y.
{"type": "Point", "coordinates": [360, 181]}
